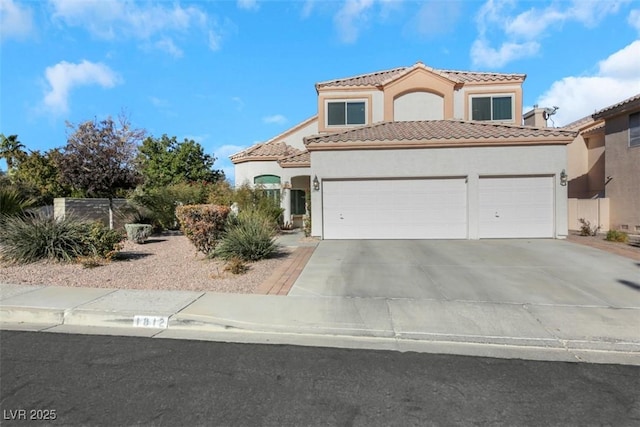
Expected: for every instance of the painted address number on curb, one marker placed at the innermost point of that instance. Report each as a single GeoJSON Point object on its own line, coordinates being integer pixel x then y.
{"type": "Point", "coordinates": [150, 322]}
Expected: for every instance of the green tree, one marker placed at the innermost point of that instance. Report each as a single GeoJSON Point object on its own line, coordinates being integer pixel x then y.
{"type": "Point", "coordinates": [99, 158]}
{"type": "Point", "coordinates": [11, 150]}
{"type": "Point", "coordinates": [164, 161]}
{"type": "Point", "coordinates": [38, 175]}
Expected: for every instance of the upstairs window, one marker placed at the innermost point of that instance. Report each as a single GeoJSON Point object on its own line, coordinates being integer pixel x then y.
{"type": "Point", "coordinates": [498, 108]}
{"type": "Point", "coordinates": [634, 129]}
{"type": "Point", "coordinates": [341, 113]}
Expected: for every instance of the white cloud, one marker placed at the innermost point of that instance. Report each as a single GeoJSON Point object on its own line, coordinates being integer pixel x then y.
{"type": "Point", "coordinates": [275, 119]}
{"type": "Point", "coordinates": [307, 8]}
{"type": "Point", "coordinates": [617, 78]}
{"type": "Point", "coordinates": [64, 76]}
{"type": "Point", "coordinates": [166, 44]}
{"type": "Point", "coordinates": [483, 54]}
{"type": "Point", "coordinates": [16, 21]}
{"type": "Point", "coordinates": [215, 40]}
{"type": "Point", "coordinates": [526, 29]}
{"type": "Point", "coordinates": [248, 4]}
{"type": "Point", "coordinates": [351, 18]}
{"type": "Point", "coordinates": [634, 19]}
{"type": "Point", "coordinates": [112, 19]}
{"type": "Point", "coordinates": [435, 17]}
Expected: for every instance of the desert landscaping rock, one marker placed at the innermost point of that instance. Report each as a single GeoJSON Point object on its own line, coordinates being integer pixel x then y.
{"type": "Point", "coordinates": [165, 262]}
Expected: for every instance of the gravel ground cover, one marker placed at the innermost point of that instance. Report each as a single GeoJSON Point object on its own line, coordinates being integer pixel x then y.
{"type": "Point", "coordinates": [629, 250]}
{"type": "Point", "coordinates": [166, 262]}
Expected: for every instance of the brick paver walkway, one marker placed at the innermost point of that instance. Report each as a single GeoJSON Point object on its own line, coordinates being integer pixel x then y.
{"type": "Point", "coordinates": [283, 278]}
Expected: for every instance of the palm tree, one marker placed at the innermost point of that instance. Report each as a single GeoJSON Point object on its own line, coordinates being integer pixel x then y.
{"type": "Point", "coordinates": [11, 150]}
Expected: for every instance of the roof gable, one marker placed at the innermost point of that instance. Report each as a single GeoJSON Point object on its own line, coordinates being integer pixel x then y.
{"type": "Point", "coordinates": [381, 78]}
{"type": "Point", "coordinates": [627, 105]}
{"type": "Point", "coordinates": [264, 151]}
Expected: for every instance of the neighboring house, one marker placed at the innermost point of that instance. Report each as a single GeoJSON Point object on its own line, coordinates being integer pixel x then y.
{"type": "Point", "coordinates": [604, 163]}
{"type": "Point", "coordinates": [416, 152]}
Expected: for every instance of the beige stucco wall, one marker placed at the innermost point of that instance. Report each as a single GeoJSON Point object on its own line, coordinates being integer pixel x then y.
{"type": "Point", "coordinates": [471, 163]}
{"type": "Point", "coordinates": [419, 80]}
{"type": "Point", "coordinates": [585, 166]}
{"type": "Point", "coordinates": [295, 137]}
{"type": "Point", "coordinates": [418, 106]}
{"type": "Point", "coordinates": [622, 164]}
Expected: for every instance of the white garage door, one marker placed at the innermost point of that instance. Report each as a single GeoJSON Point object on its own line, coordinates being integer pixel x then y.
{"type": "Point", "coordinates": [516, 207]}
{"type": "Point", "coordinates": [395, 209]}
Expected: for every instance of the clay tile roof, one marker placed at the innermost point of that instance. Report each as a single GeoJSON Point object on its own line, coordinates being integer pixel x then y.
{"type": "Point", "coordinates": [620, 107]}
{"type": "Point", "coordinates": [579, 124]}
{"type": "Point", "coordinates": [300, 160]}
{"type": "Point", "coordinates": [382, 77]}
{"type": "Point", "coordinates": [370, 79]}
{"type": "Point", "coordinates": [438, 133]}
{"type": "Point", "coordinates": [265, 151]}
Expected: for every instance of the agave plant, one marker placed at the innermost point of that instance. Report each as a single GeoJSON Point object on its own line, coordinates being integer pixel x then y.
{"type": "Point", "coordinates": [12, 202]}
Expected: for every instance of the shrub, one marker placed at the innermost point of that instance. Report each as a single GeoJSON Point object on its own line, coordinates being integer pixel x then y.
{"type": "Point", "coordinates": [236, 266]}
{"type": "Point", "coordinates": [203, 224]}
{"type": "Point", "coordinates": [257, 199]}
{"type": "Point", "coordinates": [617, 236]}
{"type": "Point", "coordinates": [99, 241]}
{"type": "Point", "coordinates": [12, 202]}
{"type": "Point", "coordinates": [249, 236]}
{"type": "Point", "coordinates": [586, 229]}
{"type": "Point", "coordinates": [138, 233]}
{"type": "Point", "coordinates": [159, 204]}
{"type": "Point", "coordinates": [39, 236]}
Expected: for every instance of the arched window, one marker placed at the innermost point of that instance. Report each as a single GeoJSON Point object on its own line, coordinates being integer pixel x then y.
{"type": "Point", "coordinates": [266, 179]}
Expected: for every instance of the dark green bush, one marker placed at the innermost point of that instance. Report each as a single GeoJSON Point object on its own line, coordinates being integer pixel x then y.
{"type": "Point", "coordinates": [250, 236]}
{"type": "Point", "coordinates": [159, 204]}
{"type": "Point", "coordinates": [203, 225]}
{"type": "Point", "coordinates": [34, 237]}
{"type": "Point", "coordinates": [617, 236]}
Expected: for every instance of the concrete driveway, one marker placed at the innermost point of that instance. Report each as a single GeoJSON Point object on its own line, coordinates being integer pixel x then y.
{"type": "Point", "coordinates": [502, 271]}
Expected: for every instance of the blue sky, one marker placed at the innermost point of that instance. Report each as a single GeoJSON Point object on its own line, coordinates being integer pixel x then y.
{"type": "Point", "coordinates": [229, 74]}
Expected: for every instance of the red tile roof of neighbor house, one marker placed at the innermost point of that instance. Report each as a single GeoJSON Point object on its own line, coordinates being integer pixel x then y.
{"type": "Point", "coordinates": [300, 160]}
{"type": "Point", "coordinates": [438, 133]}
{"type": "Point", "coordinates": [385, 76]}
{"type": "Point", "coordinates": [265, 151]}
{"type": "Point", "coordinates": [620, 107]}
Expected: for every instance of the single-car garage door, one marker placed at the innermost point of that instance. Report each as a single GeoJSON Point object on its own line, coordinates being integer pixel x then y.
{"type": "Point", "coordinates": [516, 207]}
{"type": "Point", "coordinates": [395, 209]}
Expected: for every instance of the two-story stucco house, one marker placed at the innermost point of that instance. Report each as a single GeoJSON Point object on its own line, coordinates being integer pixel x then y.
{"type": "Point", "coordinates": [417, 152]}
{"type": "Point", "coordinates": [604, 167]}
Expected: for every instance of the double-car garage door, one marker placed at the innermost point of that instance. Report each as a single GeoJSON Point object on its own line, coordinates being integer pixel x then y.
{"type": "Point", "coordinates": [437, 208]}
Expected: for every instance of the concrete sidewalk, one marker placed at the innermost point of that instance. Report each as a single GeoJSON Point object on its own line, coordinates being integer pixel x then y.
{"type": "Point", "coordinates": [597, 334]}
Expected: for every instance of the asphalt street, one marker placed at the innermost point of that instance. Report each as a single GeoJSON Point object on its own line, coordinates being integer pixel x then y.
{"type": "Point", "coordinates": [104, 380]}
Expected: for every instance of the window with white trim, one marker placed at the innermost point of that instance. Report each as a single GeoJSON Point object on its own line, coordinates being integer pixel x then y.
{"type": "Point", "coordinates": [634, 129]}
{"type": "Point", "coordinates": [346, 113]}
{"type": "Point", "coordinates": [493, 108]}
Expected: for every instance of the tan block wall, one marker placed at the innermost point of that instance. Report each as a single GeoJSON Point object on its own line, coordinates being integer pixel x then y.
{"type": "Point", "coordinates": [93, 210]}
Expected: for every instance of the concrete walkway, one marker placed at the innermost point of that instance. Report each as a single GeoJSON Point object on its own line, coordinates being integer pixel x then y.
{"type": "Point", "coordinates": [538, 331]}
